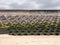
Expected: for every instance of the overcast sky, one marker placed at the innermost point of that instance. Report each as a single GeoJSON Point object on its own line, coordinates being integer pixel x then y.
{"type": "Point", "coordinates": [29, 4]}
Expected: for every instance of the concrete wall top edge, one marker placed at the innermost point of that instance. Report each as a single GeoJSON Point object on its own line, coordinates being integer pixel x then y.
{"type": "Point", "coordinates": [29, 10]}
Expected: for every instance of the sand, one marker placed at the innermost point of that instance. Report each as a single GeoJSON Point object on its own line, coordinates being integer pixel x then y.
{"type": "Point", "coordinates": [29, 40]}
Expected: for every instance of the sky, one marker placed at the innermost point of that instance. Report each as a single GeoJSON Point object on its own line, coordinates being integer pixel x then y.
{"type": "Point", "coordinates": [29, 4]}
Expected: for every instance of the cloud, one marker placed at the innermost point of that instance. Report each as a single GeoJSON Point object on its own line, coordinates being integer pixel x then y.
{"type": "Point", "coordinates": [51, 5]}
{"type": "Point", "coordinates": [29, 4]}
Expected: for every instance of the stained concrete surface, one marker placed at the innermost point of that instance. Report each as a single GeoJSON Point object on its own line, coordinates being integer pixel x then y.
{"type": "Point", "coordinates": [29, 40]}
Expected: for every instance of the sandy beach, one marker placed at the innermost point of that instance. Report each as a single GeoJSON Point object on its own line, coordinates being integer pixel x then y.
{"type": "Point", "coordinates": [29, 40]}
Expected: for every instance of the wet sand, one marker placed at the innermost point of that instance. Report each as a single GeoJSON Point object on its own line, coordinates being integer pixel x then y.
{"type": "Point", "coordinates": [29, 40]}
